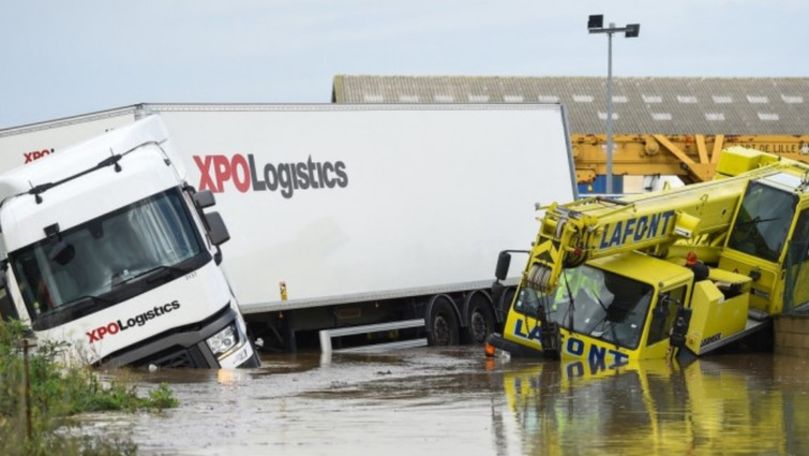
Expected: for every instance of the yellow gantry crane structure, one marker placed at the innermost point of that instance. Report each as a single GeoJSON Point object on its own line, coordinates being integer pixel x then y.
{"type": "Point", "coordinates": [692, 158]}
{"type": "Point", "coordinates": [662, 126]}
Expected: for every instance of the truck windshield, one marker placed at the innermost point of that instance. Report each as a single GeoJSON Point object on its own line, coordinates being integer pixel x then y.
{"type": "Point", "coordinates": [763, 221]}
{"type": "Point", "coordinates": [593, 302]}
{"type": "Point", "coordinates": [108, 259]}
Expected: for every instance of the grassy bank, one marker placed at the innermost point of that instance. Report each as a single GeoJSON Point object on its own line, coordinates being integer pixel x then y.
{"type": "Point", "coordinates": [35, 416]}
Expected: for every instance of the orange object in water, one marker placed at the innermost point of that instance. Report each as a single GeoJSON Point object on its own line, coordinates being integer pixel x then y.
{"type": "Point", "coordinates": [489, 350]}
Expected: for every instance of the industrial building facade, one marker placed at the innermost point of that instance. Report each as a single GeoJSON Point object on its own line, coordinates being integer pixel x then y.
{"type": "Point", "coordinates": [662, 126]}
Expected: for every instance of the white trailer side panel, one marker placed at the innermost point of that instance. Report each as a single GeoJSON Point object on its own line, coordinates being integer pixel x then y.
{"type": "Point", "coordinates": [433, 194]}
{"type": "Point", "coordinates": [26, 144]}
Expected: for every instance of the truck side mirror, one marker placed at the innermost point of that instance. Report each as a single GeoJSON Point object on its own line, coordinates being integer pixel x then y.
{"type": "Point", "coordinates": [204, 199]}
{"type": "Point", "coordinates": [503, 262]}
{"type": "Point", "coordinates": [217, 231]}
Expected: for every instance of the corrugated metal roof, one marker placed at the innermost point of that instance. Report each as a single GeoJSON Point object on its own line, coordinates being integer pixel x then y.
{"type": "Point", "coordinates": [730, 106]}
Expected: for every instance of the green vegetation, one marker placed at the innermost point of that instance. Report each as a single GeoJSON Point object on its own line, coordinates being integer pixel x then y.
{"type": "Point", "coordinates": [55, 393]}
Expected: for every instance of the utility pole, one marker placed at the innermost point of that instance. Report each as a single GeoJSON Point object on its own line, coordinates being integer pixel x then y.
{"type": "Point", "coordinates": [595, 24]}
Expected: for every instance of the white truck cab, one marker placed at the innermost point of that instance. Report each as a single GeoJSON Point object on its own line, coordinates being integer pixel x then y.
{"type": "Point", "coordinates": [105, 246]}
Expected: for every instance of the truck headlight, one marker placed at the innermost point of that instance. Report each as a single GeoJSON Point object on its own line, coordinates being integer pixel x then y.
{"type": "Point", "coordinates": [224, 340]}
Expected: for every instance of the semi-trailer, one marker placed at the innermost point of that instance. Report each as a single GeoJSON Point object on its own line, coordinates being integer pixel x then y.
{"type": "Point", "coordinates": [355, 215]}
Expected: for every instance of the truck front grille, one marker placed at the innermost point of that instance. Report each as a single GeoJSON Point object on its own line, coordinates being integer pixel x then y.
{"type": "Point", "coordinates": [176, 357]}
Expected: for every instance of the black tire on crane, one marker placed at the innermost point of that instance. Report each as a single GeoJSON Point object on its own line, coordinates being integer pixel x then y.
{"type": "Point", "coordinates": [442, 321]}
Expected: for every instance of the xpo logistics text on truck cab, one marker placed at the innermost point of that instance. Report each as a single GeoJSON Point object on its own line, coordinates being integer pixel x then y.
{"type": "Point", "coordinates": [106, 246]}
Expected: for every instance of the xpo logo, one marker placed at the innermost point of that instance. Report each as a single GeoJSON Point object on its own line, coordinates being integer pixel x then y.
{"type": "Point", "coordinates": [244, 175]}
{"type": "Point", "coordinates": [114, 327]}
{"type": "Point", "coordinates": [37, 154]}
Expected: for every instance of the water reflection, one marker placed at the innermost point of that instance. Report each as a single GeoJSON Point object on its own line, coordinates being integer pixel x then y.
{"type": "Point", "coordinates": [453, 401]}
{"type": "Point", "coordinates": [750, 405]}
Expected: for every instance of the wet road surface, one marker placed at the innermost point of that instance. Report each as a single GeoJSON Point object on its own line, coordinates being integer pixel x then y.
{"type": "Point", "coordinates": [453, 401]}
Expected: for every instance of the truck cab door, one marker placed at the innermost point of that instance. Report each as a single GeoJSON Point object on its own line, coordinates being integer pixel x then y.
{"type": "Point", "coordinates": [662, 317]}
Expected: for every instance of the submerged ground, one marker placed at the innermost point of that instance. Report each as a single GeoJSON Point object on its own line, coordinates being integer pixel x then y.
{"type": "Point", "coordinates": [454, 401]}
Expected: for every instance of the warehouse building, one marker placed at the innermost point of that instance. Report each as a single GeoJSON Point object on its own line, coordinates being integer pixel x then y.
{"type": "Point", "coordinates": [662, 126]}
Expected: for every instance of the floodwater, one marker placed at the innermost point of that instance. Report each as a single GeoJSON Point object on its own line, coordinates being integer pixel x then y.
{"type": "Point", "coordinates": [454, 401]}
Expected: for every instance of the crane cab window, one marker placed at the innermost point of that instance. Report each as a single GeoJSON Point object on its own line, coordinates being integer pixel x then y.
{"type": "Point", "coordinates": [593, 302]}
{"type": "Point", "coordinates": [796, 287]}
{"type": "Point", "coordinates": [763, 221]}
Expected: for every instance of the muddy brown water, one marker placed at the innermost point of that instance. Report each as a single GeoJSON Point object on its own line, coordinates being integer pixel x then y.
{"type": "Point", "coordinates": [454, 401]}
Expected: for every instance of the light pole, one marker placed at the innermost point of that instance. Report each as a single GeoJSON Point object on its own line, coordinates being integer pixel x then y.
{"type": "Point", "coordinates": [595, 24]}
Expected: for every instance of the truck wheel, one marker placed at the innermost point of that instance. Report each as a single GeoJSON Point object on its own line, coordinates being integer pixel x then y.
{"type": "Point", "coordinates": [479, 319]}
{"type": "Point", "coordinates": [442, 319]}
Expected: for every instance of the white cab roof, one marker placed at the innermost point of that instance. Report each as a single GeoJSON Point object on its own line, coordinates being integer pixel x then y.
{"type": "Point", "coordinates": [144, 172]}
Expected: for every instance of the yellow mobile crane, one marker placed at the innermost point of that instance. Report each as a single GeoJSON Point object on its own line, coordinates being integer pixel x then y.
{"type": "Point", "coordinates": [609, 281]}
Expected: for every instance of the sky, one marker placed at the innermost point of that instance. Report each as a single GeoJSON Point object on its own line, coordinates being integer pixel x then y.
{"type": "Point", "coordinates": [62, 58]}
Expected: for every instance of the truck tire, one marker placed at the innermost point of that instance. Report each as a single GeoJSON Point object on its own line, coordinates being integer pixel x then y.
{"type": "Point", "coordinates": [479, 319]}
{"type": "Point", "coordinates": [442, 322]}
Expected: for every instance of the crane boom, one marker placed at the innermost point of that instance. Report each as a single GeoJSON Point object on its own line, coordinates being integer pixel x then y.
{"type": "Point", "coordinates": [595, 227]}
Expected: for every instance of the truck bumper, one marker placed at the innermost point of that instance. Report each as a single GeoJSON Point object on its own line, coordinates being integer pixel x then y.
{"type": "Point", "coordinates": [187, 347]}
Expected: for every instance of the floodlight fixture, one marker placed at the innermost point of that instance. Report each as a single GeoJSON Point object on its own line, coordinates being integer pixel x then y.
{"type": "Point", "coordinates": [632, 30]}
{"type": "Point", "coordinates": [595, 21]}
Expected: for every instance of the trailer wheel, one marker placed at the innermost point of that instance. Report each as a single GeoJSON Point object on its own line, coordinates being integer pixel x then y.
{"type": "Point", "coordinates": [479, 318]}
{"type": "Point", "coordinates": [442, 319]}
